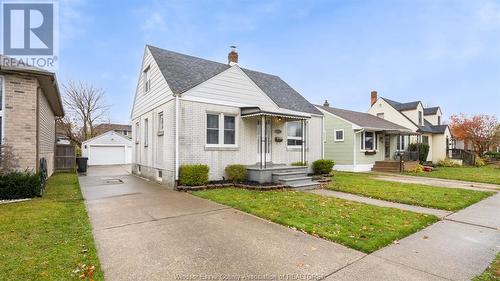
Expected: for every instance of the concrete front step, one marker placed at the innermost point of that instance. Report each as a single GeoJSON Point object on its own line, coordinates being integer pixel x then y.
{"type": "Point", "coordinates": [296, 181]}
{"type": "Point", "coordinates": [307, 186]}
{"type": "Point", "coordinates": [288, 175]}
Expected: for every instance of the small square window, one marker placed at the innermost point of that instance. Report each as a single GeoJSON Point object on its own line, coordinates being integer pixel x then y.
{"type": "Point", "coordinates": [339, 135]}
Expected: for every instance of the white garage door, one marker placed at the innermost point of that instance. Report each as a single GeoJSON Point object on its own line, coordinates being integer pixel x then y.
{"type": "Point", "coordinates": [106, 155]}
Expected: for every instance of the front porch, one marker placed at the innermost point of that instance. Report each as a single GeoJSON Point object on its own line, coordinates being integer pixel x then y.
{"type": "Point", "coordinates": [397, 158]}
{"type": "Point", "coordinates": [292, 176]}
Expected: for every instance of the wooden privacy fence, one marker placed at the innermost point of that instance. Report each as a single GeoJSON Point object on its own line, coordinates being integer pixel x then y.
{"type": "Point", "coordinates": [65, 157]}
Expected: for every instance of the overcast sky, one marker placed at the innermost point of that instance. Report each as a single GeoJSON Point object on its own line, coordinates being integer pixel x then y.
{"type": "Point", "coordinates": [444, 53]}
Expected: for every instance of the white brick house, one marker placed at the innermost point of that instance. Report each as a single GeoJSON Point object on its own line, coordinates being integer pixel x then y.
{"type": "Point", "coordinates": [188, 110]}
{"type": "Point", "coordinates": [30, 102]}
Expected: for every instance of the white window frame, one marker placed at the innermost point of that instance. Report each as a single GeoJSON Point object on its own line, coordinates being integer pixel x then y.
{"type": "Point", "coordinates": [403, 143]}
{"type": "Point", "coordinates": [146, 129]}
{"type": "Point", "coordinates": [428, 141]}
{"type": "Point", "coordinates": [439, 119]}
{"type": "Point", "coordinates": [147, 79]}
{"type": "Point", "coordinates": [420, 118]}
{"type": "Point", "coordinates": [375, 141]}
{"type": "Point", "coordinates": [294, 137]}
{"type": "Point", "coordinates": [161, 121]}
{"type": "Point", "coordinates": [335, 135]}
{"type": "Point", "coordinates": [221, 129]}
{"type": "Point", "coordinates": [381, 115]}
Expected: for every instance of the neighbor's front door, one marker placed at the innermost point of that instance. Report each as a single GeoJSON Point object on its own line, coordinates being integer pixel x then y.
{"type": "Point", "coordinates": [387, 147]}
{"type": "Point", "coordinates": [267, 140]}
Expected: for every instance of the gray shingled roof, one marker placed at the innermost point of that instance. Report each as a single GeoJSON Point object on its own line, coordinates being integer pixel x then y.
{"type": "Point", "coordinates": [431, 110]}
{"type": "Point", "coordinates": [433, 129]}
{"type": "Point", "coordinates": [364, 120]}
{"type": "Point", "coordinates": [402, 106]}
{"type": "Point", "coordinates": [183, 72]}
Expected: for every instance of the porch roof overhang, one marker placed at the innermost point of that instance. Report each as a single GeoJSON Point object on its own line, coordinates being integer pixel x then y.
{"type": "Point", "coordinates": [401, 132]}
{"type": "Point", "coordinates": [284, 113]}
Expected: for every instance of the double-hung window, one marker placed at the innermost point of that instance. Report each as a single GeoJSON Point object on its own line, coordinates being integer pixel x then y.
{"type": "Point", "coordinates": [401, 143]}
{"type": "Point", "coordinates": [420, 118]}
{"type": "Point", "coordinates": [439, 120]}
{"type": "Point", "coordinates": [338, 135]}
{"type": "Point", "coordinates": [229, 130]}
{"type": "Point", "coordinates": [425, 139]}
{"type": "Point", "coordinates": [147, 80]}
{"type": "Point", "coordinates": [368, 141]}
{"type": "Point", "coordinates": [146, 132]}
{"type": "Point", "coordinates": [294, 133]}
{"type": "Point", "coordinates": [221, 129]}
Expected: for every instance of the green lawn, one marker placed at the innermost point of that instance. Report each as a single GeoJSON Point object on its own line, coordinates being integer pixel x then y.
{"type": "Point", "coordinates": [451, 199]}
{"type": "Point", "coordinates": [486, 174]}
{"type": "Point", "coordinates": [48, 238]}
{"type": "Point", "coordinates": [492, 273]}
{"type": "Point", "coordinates": [356, 225]}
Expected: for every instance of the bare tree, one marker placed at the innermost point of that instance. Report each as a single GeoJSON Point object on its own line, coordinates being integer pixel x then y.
{"type": "Point", "coordinates": [85, 108]}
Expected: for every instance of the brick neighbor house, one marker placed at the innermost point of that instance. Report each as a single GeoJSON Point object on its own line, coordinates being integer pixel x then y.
{"type": "Point", "coordinates": [30, 102]}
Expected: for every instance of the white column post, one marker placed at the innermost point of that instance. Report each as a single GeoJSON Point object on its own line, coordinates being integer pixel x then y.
{"type": "Point", "coordinates": [262, 141]}
{"type": "Point", "coordinates": [302, 146]}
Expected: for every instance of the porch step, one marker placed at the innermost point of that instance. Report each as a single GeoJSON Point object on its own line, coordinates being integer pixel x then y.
{"type": "Point", "coordinates": [307, 186]}
{"type": "Point", "coordinates": [287, 175]}
{"type": "Point", "coordinates": [296, 181]}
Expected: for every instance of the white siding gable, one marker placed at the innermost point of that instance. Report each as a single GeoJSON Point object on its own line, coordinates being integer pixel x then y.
{"type": "Point", "coordinates": [159, 93]}
{"type": "Point", "coordinates": [391, 114]}
{"type": "Point", "coordinates": [231, 86]}
{"type": "Point", "coordinates": [413, 113]}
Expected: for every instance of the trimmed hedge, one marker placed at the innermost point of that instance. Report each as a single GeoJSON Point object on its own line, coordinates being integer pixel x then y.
{"type": "Point", "coordinates": [422, 148]}
{"type": "Point", "coordinates": [236, 173]}
{"type": "Point", "coordinates": [193, 175]}
{"type": "Point", "coordinates": [323, 166]}
{"type": "Point", "coordinates": [19, 185]}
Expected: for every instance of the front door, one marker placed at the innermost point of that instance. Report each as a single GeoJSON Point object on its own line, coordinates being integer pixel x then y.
{"type": "Point", "coordinates": [268, 140]}
{"type": "Point", "coordinates": [387, 147]}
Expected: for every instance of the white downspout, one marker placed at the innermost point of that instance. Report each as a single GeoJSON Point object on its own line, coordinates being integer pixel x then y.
{"type": "Point", "coordinates": [323, 137]}
{"type": "Point", "coordinates": [354, 149]}
{"type": "Point", "coordinates": [177, 108]}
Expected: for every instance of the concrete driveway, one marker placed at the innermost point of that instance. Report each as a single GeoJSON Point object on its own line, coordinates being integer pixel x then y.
{"type": "Point", "coordinates": [145, 232]}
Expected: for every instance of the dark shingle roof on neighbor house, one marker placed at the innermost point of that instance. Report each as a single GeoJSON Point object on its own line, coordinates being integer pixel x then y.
{"type": "Point", "coordinates": [402, 106]}
{"type": "Point", "coordinates": [431, 110]}
{"type": "Point", "coordinates": [364, 120]}
{"type": "Point", "coordinates": [433, 129]}
{"type": "Point", "coordinates": [184, 72]}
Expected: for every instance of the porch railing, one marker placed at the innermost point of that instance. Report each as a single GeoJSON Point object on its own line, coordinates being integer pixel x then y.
{"type": "Point", "coordinates": [467, 157]}
{"type": "Point", "coordinates": [406, 155]}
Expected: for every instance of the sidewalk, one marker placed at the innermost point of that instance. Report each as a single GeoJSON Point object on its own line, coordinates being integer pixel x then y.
{"type": "Point", "coordinates": [457, 248]}
{"type": "Point", "coordinates": [438, 182]}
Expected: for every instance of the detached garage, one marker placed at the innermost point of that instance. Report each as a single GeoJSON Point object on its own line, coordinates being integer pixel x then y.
{"type": "Point", "coordinates": [110, 148]}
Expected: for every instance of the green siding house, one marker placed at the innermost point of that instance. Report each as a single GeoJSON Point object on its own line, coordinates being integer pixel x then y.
{"type": "Point", "coordinates": [356, 140]}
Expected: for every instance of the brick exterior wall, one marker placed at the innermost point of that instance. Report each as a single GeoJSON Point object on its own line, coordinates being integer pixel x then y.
{"type": "Point", "coordinates": [20, 122]}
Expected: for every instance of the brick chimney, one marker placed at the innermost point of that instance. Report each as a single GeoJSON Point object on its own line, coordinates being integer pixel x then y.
{"type": "Point", "coordinates": [373, 97]}
{"type": "Point", "coordinates": [326, 104]}
{"type": "Point", "coordinates": [232, 57]}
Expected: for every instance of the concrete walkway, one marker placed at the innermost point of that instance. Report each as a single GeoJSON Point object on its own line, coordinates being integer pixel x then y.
{"type": "Point", "coordinates": [438, 182]}
{"type": "Point", "coordinates": [145, 232]}
{"type": "Point", "coordinates": [352, 197]}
